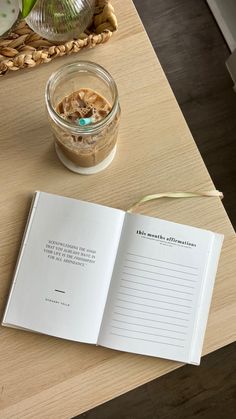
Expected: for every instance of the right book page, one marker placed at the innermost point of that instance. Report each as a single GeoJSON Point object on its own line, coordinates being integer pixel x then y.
{"type": "Point", "coordinates": [161, 289]}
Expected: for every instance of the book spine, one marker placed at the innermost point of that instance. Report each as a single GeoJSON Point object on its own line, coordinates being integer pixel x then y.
{"type": "Point", "coordinates": [108, 291]}
{"type": "Point", "coordinates": [21, 252]}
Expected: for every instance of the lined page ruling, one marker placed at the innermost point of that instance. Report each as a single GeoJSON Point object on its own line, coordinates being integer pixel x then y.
{"type": "Point", "coordinates": [156, 288]}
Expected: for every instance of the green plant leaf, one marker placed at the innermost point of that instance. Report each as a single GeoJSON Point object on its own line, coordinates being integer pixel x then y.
{"type": "Point", "coordinates": [27, 6]}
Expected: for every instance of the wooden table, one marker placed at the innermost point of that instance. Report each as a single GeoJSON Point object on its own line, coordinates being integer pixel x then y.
{"type": "Point", "coordinates": [44, 377]}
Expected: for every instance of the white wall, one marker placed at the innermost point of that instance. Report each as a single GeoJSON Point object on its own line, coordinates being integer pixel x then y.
{"type": "Point", "coordinates": [225, 15]}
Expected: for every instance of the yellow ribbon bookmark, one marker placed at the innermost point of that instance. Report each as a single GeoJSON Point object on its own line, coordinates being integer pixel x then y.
{"type": "Point", "coordinates": [147, 198]}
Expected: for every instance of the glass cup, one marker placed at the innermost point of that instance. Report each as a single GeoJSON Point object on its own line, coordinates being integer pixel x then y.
{"type": "Point", "coordinates": [90, 148]}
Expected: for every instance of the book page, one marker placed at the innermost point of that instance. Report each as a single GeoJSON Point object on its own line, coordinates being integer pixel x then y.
{"type": "Point", "coordinates": [65, 266]}
{"type": "Point", "coordinates": [156, 287]}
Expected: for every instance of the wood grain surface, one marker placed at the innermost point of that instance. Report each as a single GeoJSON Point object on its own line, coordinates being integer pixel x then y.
{"type": "Point", "coordinates": [193, 52]}
{"type": "Point", "coordinates": [205, 392]}
{"type": "Point", "coordinates": [45, 377]}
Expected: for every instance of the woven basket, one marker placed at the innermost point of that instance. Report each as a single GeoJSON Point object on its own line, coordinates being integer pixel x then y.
{"type": "Point", "coordinates": [24, 48]}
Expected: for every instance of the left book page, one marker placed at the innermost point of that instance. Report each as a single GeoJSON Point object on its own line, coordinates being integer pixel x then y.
{"type": "Point", "coordinates": [64, 268]}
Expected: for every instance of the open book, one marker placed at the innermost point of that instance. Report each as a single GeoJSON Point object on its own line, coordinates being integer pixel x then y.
{"type": "Point", "coordinates": [99, 275]}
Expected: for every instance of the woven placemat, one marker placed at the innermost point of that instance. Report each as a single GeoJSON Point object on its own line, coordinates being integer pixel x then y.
{"type": "Point", "coordinates": [23, 48]}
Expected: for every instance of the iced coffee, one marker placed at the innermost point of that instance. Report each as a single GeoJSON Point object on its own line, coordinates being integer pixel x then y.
{"type": "Point", "coordinates": [85, 120]}
{"type": "Point", "coordinates": [86, 149]}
